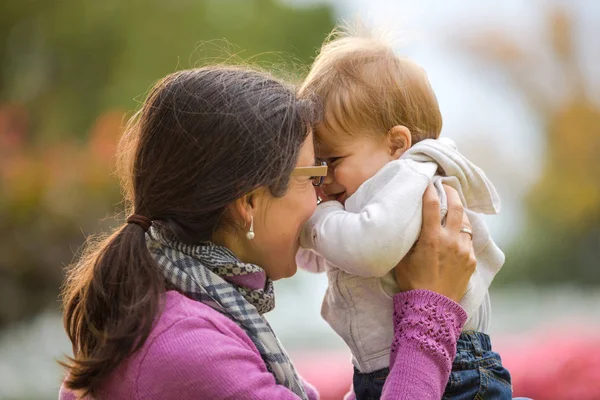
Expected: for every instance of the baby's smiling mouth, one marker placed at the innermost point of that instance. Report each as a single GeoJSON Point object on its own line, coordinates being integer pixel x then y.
{"type": "Point", "coordinates": [341, 197]}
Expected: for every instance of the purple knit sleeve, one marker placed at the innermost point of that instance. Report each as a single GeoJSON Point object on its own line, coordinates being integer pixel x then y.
{"type": "Point", "coordinates": [427, 326]}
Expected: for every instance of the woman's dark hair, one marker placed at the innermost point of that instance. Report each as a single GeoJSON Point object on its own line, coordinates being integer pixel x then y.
{"type": "Point", "coordinates": [203, 138]}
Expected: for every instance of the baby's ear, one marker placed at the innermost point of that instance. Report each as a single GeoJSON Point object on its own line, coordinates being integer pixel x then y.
{"type": "Point", "coordinates": [399, 140]}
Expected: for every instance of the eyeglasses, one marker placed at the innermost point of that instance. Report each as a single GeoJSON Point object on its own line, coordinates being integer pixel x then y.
{"type": "Point", "coordinates": [317, 173]}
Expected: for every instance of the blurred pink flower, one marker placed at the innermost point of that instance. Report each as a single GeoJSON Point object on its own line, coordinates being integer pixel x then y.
{"type": "Point", "coordinates": [546, 364]}
{"type": "Point", "coordinates": [554, 363]}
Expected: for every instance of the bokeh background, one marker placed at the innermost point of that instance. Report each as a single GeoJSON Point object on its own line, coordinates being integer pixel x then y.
{"type": "Point", "coordinates": [519, 87]}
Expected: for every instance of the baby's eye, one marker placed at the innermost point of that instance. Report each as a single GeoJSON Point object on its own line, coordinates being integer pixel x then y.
{"type": "Point", "coordinates": [333, 160]}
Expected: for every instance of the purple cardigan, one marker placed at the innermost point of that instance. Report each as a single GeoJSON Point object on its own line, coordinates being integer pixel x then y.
{"type": "Point", "coordinates": [194, 352]}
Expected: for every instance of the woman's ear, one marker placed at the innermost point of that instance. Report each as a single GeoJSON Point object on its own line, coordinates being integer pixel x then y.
{"type": "Point", "coordinates": [399, 140]}
{"type": "Point", "coordinates": [246, 207]}
{"type": "Point", "coordinates": [242, 209]}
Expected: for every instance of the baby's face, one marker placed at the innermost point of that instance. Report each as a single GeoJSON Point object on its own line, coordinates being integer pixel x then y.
{"type": "Point", "coordinates": [351, 161]}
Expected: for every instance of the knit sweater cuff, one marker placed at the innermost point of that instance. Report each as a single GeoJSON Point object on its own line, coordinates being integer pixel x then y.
{"type": "Point", "coordinates": [308, 236]}
{"type": "Point", "coordinates": [426, 327]}
{"type": "Point", "coordinates": [431, 321]}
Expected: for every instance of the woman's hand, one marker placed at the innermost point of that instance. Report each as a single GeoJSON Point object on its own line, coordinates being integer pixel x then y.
{"type": "Point", "coordinates": [442, 260]}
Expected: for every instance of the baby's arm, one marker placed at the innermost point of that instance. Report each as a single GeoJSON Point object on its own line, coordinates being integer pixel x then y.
{"type": "Point", "coordinates": [386, 224]}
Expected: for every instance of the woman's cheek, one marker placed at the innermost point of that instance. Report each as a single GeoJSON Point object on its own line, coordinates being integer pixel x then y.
{"type": "Point", "coordinates": [311, 201]}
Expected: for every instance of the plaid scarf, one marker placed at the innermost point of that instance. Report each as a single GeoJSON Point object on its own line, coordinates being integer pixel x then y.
{"type": "Point", "coordinates": [214, 276]}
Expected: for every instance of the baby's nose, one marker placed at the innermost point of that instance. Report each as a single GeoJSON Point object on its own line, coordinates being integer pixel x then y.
{"type": "Point", "coordinates": [329, 178]}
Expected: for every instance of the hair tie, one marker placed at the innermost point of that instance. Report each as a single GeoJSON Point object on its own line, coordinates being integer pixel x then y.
{"type": "Point", "coordinates": [140, 220]}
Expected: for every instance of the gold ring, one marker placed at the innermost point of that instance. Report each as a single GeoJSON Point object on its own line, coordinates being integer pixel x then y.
{"type": "Point", "coordinates": [467, 231]}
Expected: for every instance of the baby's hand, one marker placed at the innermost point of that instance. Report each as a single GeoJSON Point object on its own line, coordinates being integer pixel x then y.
{"type": "Point", "coordinates": [310, 261]}
{"type": "Point", "coordinates": [443, 258]}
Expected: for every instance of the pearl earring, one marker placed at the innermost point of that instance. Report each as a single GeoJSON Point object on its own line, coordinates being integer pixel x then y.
{"type": "Point", "coordinates": [250, 234]}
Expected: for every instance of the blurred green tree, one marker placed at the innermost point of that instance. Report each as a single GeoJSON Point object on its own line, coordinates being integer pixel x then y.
{"type": "Point", "coordinates": [562, 241]}
{"type": "Point", "coordinates": [70, 59]}
{"type": "Point", "coordinates": [69, 72]}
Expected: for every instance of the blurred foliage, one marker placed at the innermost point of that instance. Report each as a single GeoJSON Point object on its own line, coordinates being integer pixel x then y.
{"type": "Point", "coordinates": [562, 239]}
{"type": "Point", "coordinates": [69, 72]}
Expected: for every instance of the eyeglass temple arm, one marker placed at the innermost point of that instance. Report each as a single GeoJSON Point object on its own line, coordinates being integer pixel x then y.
{"type": "Point", "coordinates": [320, 170]}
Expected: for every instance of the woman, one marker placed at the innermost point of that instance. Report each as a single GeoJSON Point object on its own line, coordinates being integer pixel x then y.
{"type": "Point", "coordinates": [219, 170]}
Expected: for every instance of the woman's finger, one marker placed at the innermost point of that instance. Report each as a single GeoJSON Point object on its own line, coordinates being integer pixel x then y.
{"type": "Point", "coordinates": [466, 244]}
{"type": "Point", "coordinates": [465, 239]}
{"type": "Point", "coordinates": [431, 212]}
{"type": "Point", "coordinates": [454, 217]}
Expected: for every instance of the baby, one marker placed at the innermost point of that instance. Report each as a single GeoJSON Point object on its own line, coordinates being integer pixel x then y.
{"type": "Point", "coordinates": [379, 136]}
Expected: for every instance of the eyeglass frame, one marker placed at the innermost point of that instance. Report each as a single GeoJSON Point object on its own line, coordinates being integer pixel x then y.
{"type": "Point", "coordinates": [314, 171]}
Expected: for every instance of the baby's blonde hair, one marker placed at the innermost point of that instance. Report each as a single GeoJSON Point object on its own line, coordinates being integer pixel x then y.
{"type": "Point", "coordinates": [366, 88]}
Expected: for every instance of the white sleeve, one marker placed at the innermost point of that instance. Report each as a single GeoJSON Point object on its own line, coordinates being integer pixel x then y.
{"type": "Point", "coordinates": [489, 261]}
{"type": "Point", "coordinates": [386, 224]}
{"type": "Point", "coordinates": [310, 261]}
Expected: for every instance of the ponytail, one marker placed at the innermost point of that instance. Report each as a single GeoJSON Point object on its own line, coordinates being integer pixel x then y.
{"type": "Point", "coordinates": [110, 298]}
